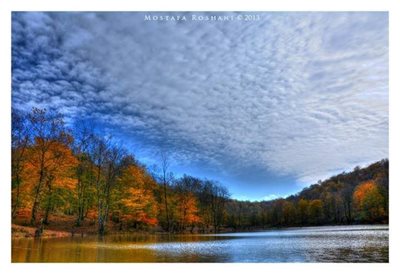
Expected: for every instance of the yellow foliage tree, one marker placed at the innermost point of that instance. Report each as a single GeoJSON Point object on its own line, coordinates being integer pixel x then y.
{"type": "Point", "coordinates": [137, 203]}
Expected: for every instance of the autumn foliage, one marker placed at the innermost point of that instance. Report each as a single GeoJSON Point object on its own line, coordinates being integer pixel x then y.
{"type": "Point", "coordinates": [137, 202]}
{"type": "Point", "coordinates": [368, 201]}
{"type": "Point", "coordinates": [77, 173]}
{"type": "Point", "coordinates": [360, 196]}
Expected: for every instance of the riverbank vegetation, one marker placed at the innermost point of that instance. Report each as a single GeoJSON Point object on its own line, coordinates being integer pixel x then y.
{"type": "Point", "coordinates": [78, 180]}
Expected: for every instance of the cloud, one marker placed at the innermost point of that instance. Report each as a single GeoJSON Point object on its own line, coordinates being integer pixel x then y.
{"type": "Point", "coordinates": [294, 94]}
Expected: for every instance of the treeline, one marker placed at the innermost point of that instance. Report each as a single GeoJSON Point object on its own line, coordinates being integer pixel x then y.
{"type": "Point", "coordinates": [77, 172]}
{"type": "Point", "coordinates": [360, 196]}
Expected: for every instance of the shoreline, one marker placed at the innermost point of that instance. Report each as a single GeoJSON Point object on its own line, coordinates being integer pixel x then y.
{"type": "Point", "coordinates": [28, 232]}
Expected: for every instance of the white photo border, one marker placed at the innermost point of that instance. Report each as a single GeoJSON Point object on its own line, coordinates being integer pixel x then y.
{"type": "Point", "coordinates": [7, 6]}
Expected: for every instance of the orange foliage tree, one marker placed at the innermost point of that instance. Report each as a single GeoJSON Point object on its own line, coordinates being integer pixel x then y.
{"type": "Point", "coordinates": [136, 202]}
{"type": "Point", "coordinates": [187, 210]}
{"type": "Point", "coordinates": [49, 176]}
{"type": "Point", "coordinates": [368, 201]}
{"type": "Point", "coordinates": [50, 145]}
{"type": "Point", "coordinates": [60, 180]}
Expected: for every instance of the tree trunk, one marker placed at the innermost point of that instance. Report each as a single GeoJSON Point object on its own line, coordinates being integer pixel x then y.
{"type": "Point", "coordinates": [100, 219]}
{"type": "Point", "coordinates": [100, 224]}
{"type": "Point", "coordinates": [101, 229]}
{"type": "Point", "coordinates": [48, 206]}
{"type": "Point", "coordinates": [18, 170]}
{"type": "Point", "coordinates": [81, 203]}
{"type": "Point", "coordinates": [36, 202]}
{"type": "Point", "coordinates": [16, 202]}
{"type": "Point", "coordinates": [348, 212]}
{"type": "Point", "coordinates": [166, 206]}
{"type": "Point", "coordinates": [46, 216]}
{"type": "Point", "coordinates": [37, 190]}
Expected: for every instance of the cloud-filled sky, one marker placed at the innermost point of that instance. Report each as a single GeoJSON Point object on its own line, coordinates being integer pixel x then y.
{"type": "Point", "coordinates": [266, 107]}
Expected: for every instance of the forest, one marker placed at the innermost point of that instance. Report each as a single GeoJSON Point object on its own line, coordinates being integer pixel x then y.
{"type": "Point", "coordinates": [74, 178]}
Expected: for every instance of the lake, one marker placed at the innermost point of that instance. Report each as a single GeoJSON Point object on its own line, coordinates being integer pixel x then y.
{"type": "Point", "coordinates": [363, 243]}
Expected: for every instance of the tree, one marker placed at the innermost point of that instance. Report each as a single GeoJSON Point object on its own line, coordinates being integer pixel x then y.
{"type": "Point", "coordinates": [82, 146]}
{"type": "Point", "coordinates": [20, 140]}
{"type": "Point", "coordinates": [289, 213]}
{"type": "Point", "coordinates": [48, 131]}
{"type": "Point", "coordinates": [98, 154]}
{"type": "Point", "coordinates": [165, 179]}
{"type": "Point", "coordinates": [111, 161]}
{"type": "Point", "coordinates": [369, 202]}
{"type": "Point", "coordinates": [303, 214]}
{"type": "Point", "coordinates": [347, 194]}
{"type": "Point", "coordinates": [187, 208]}
{"type": "Point", "coordinates": [219, 195]}
{"type": "Point", "coordinates": [135, 198]}
{"type": "Point", "coordinates": [59, 176]}
{"type": "Point", "coordinates": [316, 212]}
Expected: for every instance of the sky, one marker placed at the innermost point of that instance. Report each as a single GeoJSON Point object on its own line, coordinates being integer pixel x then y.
{"type": "Point", "coordinates": [266, 107]}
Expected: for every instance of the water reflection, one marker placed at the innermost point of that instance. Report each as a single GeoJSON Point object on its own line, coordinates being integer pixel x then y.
{"type": "Point", "coordinates": [313, 244]}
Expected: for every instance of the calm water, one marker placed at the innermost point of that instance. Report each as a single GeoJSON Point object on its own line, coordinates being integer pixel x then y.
{"type": "Point", "coordinates": [311, 244]}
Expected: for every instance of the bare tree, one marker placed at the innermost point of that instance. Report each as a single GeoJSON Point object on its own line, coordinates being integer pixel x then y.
{"type": "Point", "coordinates": [108, 165]}
{"type": "Point", "coordinates": [84, 140]}
{"type": "Point", "coordinates": [165, 179]}
{"type": "Point", "coordinates": [217, 197]}
{"type": "Point", "coordinates": [98, 157]}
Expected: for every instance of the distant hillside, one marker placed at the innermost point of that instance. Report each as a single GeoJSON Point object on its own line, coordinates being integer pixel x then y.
{"type": "Point", "coordinates": [359, 196]}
